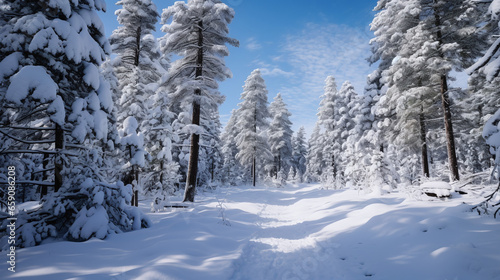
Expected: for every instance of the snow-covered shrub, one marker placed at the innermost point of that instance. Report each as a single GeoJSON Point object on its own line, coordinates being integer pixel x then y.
{"type": "Point", "coordinates": [92, 209]}
{"type": "Point", "coordinates": [280, 179]}
{"type": "Point", "coordinates": [491, 133]}
{"type": "Point", "coordinates": [164, 187]}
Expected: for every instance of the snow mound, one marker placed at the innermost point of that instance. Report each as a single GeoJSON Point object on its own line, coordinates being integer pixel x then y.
{"type": "Point", "coordinates": [437, 189]}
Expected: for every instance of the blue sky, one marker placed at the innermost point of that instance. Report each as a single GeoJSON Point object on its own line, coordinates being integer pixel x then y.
{"type": "Point", "coordinates": [296, 44]}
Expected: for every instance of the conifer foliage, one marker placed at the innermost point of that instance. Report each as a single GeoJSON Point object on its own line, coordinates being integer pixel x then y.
{"type": "Point", "coordinates": [299, 154]}
{"type": "Point", "coordinates": [253, 114]}
{"type": "Point", "coordinates": [280, 135]}
{"type": "Point", "coordinates": [418, 43]}
{"type": "Point", "coordinates": [138, 70]}
{"type": "Point", "coordinates": [198, 32]}
{"type": "Point", "coordinates": [51, 53]}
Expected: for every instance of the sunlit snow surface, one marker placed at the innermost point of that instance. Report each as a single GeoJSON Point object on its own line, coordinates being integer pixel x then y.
{"type": "Point", "coordinates": [296, 232]}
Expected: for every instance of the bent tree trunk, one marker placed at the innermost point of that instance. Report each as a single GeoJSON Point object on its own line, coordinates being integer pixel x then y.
{"type": "Point", "coordinates": [195, 138]}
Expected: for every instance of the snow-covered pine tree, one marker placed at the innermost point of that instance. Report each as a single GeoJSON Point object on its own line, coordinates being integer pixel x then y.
{"type": "Point", "coordinates": [50, 59]}
{"type": "Point", "coordinates": [488, 67]}
{"type": "Point", "coordinates": [453, 28]}
{"type": "Point", "coordinates": [374, 158]}
{"type": "Point", "coordinates": [491, 134]}
{"type": "Point", "coordinates": [483, 89]}
{"type": "Point", "coordinates": [353, 149]}
{"type": "Point", "coordinates": [198, 33]}
{"type": "Point", "coordinates": [253, 149]}
{"type": "Point", "coordinates": [393, 19]}
{"type": "Point", "coordinates": [327, 113]}
{"type": "Point", "coordinates": [162, 173]}
{"type": "Point", "coordinates": [346, 102]}
{"type": "Point", "coordinates": [112, 155]}
{"type": "Point", "coordinates": [232, 171]}
{"type": "Point", "coordinates": [412, 96]}
{"type": "Point", "coordinates": [448, 41]}
{"type": "Point", "coordinates": [314, 160]}
{"type": "Point", "coordinates": [138, 70]}
{"type": "Point", "coordinates": [209, 169]}
{"type": "Point", "coordinates": [488, 64]}
{"type": "Point", "coordinates": [472, 111]}
{"type": "Point", "coordinates": [280, 135]}
{"type": "Point", "coordinates": [389, 25]}
{"type": "Point", "coordinates": [299, 154]}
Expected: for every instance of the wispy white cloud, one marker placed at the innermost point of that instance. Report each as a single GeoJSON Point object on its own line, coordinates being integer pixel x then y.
{"type": "Point", "coordinates": [274, 72]}
{"type": "Point", "coordinates": [315, 53]}
{"type": "Point", "coordinates": [277, 58]}
{"type": "Point", "coordinates": [252, 44]}
{"type": "Point", "coordinates": [271, 70]}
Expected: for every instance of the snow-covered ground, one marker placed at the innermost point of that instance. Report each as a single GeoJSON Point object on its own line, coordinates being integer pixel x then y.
{"type": "Point", "coordinates": [296, 232]}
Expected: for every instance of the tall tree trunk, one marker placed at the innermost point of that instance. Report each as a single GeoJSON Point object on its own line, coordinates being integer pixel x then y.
{"type": "Point", "coordinates": [212, 171]}
{"type": "Point", "coordinates": [162, 167]}
{"type": "Point", "coordinates": [254, 173]}
{"type": "Point", "coordinates": [279, 161]}
{"type": "Point", "coordinates": [334, 168]}
{"type": "Point", "coordinates": [445, 100]}
{"type": "Point", "coordinates": [133, 176]}
{"type": "Point", "coordinates": [254, 163]}
{"type": "Point", "coordinates": [274, 172]}
{"type": "Point", "coordinates": [45, 162]}
{"type": "Point", "coordinates": [135, 171]}
{"type": "Point", "coordinates": [448, 125]}
{"type": "Point", "coordinates": [195, 138]}
{"type": "Point", "coordinates": [423, 139]}
{"type": "Point", "coordinates": [137, 46]}
{"type": "Point", "coordinates": [58, 164]}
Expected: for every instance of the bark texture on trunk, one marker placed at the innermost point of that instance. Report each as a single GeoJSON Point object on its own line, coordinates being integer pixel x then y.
{"type": "Point", "coordinates": [334, 168]}
{"type": "Point", "coordinates": [445, 102]}
{"type": "Point", "coordinates": [45, 162]}
{"type": "Point", "coordinates": [138, 46]}
{"type": "Point", "coordinates": [58, 164]}
{"type": "Point", "coordinates": [448, 125]}
{"type": "Point", "coordinates": [254, 162]}
{"type": "Point", "coordinates": [134, 172]}
{"type": "Point", "coordinates": [133, 176]}
{"type": "Point", "coordinates": [195, 138]}
{"type": "Point", "coordinates": [254, 173]}
{"type": "Point", "coordinates": [423, 139]}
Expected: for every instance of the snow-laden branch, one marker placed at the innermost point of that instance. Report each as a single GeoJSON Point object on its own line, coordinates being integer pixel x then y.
{"type": "Point", "coordinates": [49, 152]}
{"type": "Point", "coordinates": [28, 182]}
{"type": "Point", "coordinates": [28, 128]}
{"type": "Point", "coordinates": [27, 141]}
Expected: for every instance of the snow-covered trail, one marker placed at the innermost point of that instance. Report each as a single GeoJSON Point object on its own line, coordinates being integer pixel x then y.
{"type": "Point", "coordinates": [296, 232]}
{"type": "Point", "coordinates": [296, 235]}
{"type": "Point", "coordinates": [308, 233]}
